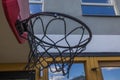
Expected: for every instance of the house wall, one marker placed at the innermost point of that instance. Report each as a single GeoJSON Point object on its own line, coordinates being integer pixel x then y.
{"type": "Point", "coordinates": [98, 25]}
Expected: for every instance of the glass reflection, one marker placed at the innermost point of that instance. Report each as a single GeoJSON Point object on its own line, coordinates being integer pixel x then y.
{"type": "Point", "coordinates": [35, 8]}
{"type": "Point", "coordinates": [76, 73]}
{"type": "Point", "coordinates": [96, 1]}
{"type": "Point", "coordinates": [98, 10]}
{"type": "Point", "coordinates": [111, 73]}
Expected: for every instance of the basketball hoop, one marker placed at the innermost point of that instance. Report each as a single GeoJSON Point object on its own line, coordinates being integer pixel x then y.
{"type": "Point", "coordinates": [59, 49]}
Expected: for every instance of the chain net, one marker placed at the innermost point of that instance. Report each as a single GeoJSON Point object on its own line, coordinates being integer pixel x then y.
{"type": "Point", "coordinates": [53, 41]}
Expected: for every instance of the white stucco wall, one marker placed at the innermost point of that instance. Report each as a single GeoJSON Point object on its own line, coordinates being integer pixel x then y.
{"type": "Point", "coordinates": [106, 30]}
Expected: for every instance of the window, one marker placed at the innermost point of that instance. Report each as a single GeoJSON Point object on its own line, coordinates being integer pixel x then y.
{"type": "Point", "coordinates": [110, 70]}
{"type": "Point", "coordinates": [35, 6]}
{"type": "Point", "coordinates": [77, 72]}
{"type": "Point", "coordinates": [99, 7]}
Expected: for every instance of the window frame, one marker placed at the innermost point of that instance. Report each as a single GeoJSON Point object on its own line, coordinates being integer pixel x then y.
{"type": "Point", "coordinates": [112, 3]}
{"type": "Point", "coordinates": [37, 2]}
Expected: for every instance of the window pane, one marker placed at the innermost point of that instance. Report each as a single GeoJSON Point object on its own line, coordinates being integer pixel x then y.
{"type": "Point", "coordinates": [76, 73]}
{"type": "Point", "coordinates": [96, 1]}
{"type": "Point", "coordinates": [35, 8]}
{"type": "Point", "coordinates": [98, 10]}
{"type": "Point", "coordinates": [111, 73]}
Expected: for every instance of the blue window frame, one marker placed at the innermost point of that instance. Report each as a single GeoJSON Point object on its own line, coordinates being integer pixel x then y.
{"type": "Point", "coordinates": [35, 6]}
{"type": "Point", "coordinates": [98, 7]}
{"type": "Point", "coordinates": [96, 1]}
{"type": "Point", "coordinates": [98, 10]}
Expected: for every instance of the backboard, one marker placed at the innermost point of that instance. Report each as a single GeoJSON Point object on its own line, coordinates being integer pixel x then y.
{"type": "Point", "coordinates": [16, 9]}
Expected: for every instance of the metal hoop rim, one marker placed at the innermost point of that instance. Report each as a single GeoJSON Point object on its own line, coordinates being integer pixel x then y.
{"type": "Point", "coordinates": [64, 15]}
